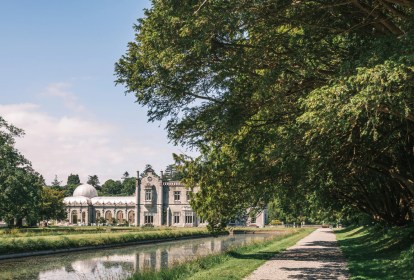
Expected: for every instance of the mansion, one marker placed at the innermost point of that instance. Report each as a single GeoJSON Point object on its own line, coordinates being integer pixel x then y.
{"type": "Point", "coordinates": [155, 202]}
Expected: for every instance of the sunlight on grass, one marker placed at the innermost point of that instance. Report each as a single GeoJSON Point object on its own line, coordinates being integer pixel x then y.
{"type": "Point", "coordinates": [376, 253]}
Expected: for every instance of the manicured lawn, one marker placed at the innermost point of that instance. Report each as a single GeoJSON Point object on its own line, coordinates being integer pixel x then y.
{"type": "Point", "coordinates": [234, 264]}
{"type": "Point", "coordinates": [375, 253]}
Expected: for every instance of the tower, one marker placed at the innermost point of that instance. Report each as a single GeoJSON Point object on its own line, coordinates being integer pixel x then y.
{"type": "Point", "coordinates": [137, 197]}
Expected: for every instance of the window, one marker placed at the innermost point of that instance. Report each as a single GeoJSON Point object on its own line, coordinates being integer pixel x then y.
{"type": "Point", "coordinates": [148, 218]}
{"type": "Point", "coordinates": [189, 217]}
{"type": "Point", "coordinates": [120, 217]}
{"type": "Point", "coordinates": [176, 217]}
{"type": "Point", "coordinates": [253, 220]}
{"type": "Point", "coordinates": [148, 195]}
{"type": "Point", "coordinates": [202, 221]}
{"type": "Point", "coordinates": [131, 217]}
{"type": "Point", "coordinates": [188, 195]}
{"type": "Point", "coordinates": [74, 217]}
{"type": "Point", "coordinates": [177, 195]}
{"type": "Point", "coordinates": [108, 216]}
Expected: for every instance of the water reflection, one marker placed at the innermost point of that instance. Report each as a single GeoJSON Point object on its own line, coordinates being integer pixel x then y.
{"type": "Point", "coordinates": [118, 263]}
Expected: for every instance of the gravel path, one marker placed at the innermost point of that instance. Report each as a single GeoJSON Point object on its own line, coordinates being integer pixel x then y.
{"type": "Point", "coordinates": [317, 256]}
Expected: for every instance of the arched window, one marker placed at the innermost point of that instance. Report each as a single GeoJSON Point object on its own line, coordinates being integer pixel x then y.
{"type": "Point", "coordinates": [98, 215]}
{"type": "Point", "coordinates": [83, 217]}
{"type": "Point", "coordinates": [120, 217]}
{"type": "Point", "coordinates": [131, 217]}
{"type": "Point", "coordinates": [108, 216]}
{"type": "Point", "coordinates": [74, 217]}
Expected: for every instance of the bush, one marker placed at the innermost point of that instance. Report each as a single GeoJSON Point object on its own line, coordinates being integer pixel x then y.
{"type": "Point", "coordinates": [275, 222]}
{"type": "Point", "coordinates": [147, 226]}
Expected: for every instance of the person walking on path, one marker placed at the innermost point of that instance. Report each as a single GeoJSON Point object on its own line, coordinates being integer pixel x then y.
{"type": "Point", "coordinates": [317, 256]}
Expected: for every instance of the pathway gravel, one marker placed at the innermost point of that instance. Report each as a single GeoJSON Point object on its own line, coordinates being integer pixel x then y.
{"type": "Point", "coordinates": [317, 256]}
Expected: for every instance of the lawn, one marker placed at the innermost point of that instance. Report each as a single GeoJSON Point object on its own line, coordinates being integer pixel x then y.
{"type": "Point", "coordinates": [377, 253]}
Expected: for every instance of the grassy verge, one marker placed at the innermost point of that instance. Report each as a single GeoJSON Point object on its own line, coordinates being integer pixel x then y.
{"type": "Point", "coordinates": [54, 230]}
{"type": "Point", "coordinates": [9, 245]}
{"type": "Point", "coordinates": [375, 253]}
{"type": "Point", "coordinates": [233, 264]}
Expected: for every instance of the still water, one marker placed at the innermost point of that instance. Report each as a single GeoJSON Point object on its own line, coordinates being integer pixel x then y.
{"type": "Point", "coordinates": [119, 263]}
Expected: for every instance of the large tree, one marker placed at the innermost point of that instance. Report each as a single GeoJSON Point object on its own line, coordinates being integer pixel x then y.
{"type": "Point", "coordinates": [72, 182]}
{"type": "Point", "coordinates": [56, 183]}
{"type": "Point", "coordinates": [112, 188]}
{"type": "Point", "coordinates": [93, 180]}
{"type": "Point", "coordinates": [73, 179]}
{"type": "Point", "coordinates": [128, 186]}
{"type": "Point", "coordinates": [20, 185]}
{"type": "Point", "coordinates": [52, 206]}
{"type": "Point", "coordinates": [309, 97]}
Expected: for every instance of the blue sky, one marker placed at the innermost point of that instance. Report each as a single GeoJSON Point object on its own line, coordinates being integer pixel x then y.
{"type": "Point", "coordinates": [57, 83]}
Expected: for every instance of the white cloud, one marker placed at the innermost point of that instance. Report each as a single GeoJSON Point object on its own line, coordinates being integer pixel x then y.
{"type": "Point", "coordinates": [64, 145]}
{"type": "Point", "coordinates": [61, 90]}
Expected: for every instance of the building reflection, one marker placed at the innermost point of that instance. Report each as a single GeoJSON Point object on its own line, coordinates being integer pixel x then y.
{"type": "Point", "coordinates": [120, 263]}
{"type": "Point", "coordinates": [151, 260]}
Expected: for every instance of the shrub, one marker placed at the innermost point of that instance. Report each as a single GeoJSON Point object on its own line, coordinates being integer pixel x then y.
{"type": "Point", "coordinates": [275, 222]}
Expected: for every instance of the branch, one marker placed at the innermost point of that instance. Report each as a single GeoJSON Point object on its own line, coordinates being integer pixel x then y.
{"type": "Point", "coordinates": [383, 20]}
{"type": "Point", "coordinates": [206, 98]}
{"type": "Point", "coordinates": [393, 10]}
{"type": "Point", "coordinates": [386, 110]}
{"type": "Point", "coordinates": [404, 3]}
{"type": "Point", "coordinates": [408, 182]}
{"type": "Point", "coordinates": [202, 4]}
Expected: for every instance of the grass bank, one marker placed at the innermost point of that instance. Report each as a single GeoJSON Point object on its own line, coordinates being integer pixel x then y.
{"type": "Point", "coordinates": [236, 263]}
{"type": "Point", "coordinates": [375, 253]}
{"type": "Point", "coordinates": [22, 244]}
{"type": "Point", "coordinates": [66, 230]}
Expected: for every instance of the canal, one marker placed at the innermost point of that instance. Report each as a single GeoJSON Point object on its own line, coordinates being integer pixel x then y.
{"type": "Point", "coordinates": [120, 262]}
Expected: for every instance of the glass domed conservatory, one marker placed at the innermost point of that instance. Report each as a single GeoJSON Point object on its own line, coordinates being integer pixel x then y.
{"type": "Point", "coordinates": [155, 202]}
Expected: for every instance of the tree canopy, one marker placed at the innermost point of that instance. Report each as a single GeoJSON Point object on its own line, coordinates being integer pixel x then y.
{"type": "Point", "coordinates": [307, 99]}
{"type": "Point", "coordinates": [20, 185]}
{"type": "Point", "coordinates": [93, 180]}
{"type": "Point", "coordinates": [52, 206]}
{"type": "Point", "coordinates": [73, 179]}
{"type": "Point", "coordinates": [125, 187]}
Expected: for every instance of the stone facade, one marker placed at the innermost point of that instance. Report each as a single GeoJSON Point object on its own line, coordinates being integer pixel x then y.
{"type": "Point", "coordinates": [155, 202]}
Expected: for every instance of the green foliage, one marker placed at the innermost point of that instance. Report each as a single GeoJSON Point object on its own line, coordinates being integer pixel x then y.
{"type": "Point", "coordinates": [73, 179]}
{"type": "Point", "coordinates": [20, 185]}
{"type": "Point", "coordinates": [171, 173]}
{"type": "Point", "coordinates": [69, 189]}
{"type": "Point", "coordinates": [308, 103]}
{"type": "Point", "coordinates": [128, 185]}
{"type": "Point", "coordinates": [56, 184]}
{"type": "Point", "coordinates": [275, 222]}
{"type": "Point", "coordinates": [111, 188]}
{"type": "Point", "coordinates": [93, 180]}
{"type": "Point", "coordinates": [72, 183]}
{"type": "Point", "coordinates": [52, 206]}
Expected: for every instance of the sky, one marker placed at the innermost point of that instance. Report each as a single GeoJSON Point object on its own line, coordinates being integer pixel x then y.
{"type": "Point", "coordinates": [57, 84]}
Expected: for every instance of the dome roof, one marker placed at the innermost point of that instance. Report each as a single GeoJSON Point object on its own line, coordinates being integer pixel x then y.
{"type": "Point", "coordinates": [85, 190]}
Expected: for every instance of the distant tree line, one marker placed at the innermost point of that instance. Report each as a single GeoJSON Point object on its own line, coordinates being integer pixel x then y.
{"type": "Point", "coordinates": [24, 194]}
